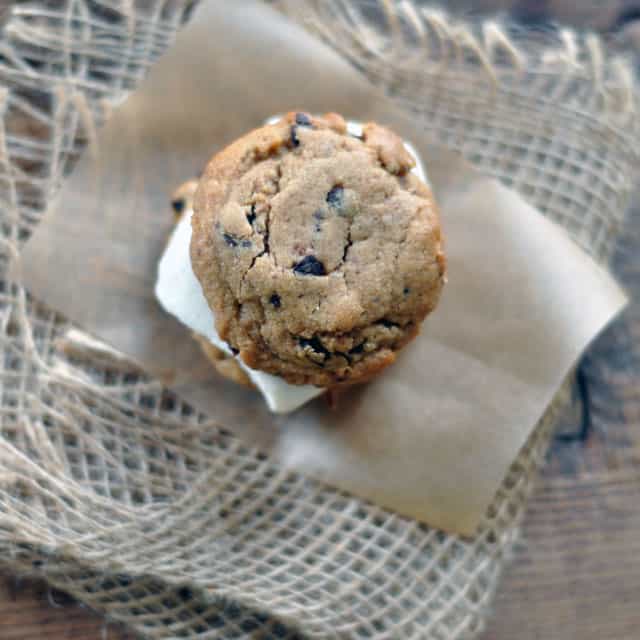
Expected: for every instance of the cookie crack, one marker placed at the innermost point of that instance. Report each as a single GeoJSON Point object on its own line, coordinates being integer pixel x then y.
{"type": "Point", "coordinates": [348, 244]}
{"type": "Point", "coordinates": [267, 222]}
{"type": "Point", "coordinates": [266, 249]}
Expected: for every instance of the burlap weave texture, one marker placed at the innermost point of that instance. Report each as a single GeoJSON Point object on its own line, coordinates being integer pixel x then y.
{"type": "Point", "coordinates": [116, 491]}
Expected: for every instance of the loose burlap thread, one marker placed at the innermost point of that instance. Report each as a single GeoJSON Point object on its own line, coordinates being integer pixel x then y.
{"type": "Point", "coordinates": [115, 491]}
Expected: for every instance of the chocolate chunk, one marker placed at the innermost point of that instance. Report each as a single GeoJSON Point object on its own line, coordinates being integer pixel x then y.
{"type": "Point", "coordinates": [335, 197]}
{"type": "Point", "coordinates": [388, 324]}
{"type": "Point", "coordinates": [359, 348]}
{"type": "Point", "coordinates": [251, 216]}
{"type": "Point", "coordinates": [310, 266]}
{"type": "Point", "coordinates": [315, 344]}
{"type": "Point", "coordinates": [178, 205]}
{"type": "Point", "coordinates": [294, 136]}
{"type": "Point", "coordinates": [275, 300]}
{"type": "Point", "coordinates": [303, 120]}
{"type": "Point", "coordinates": [230, 240]}
{"type": "Point", "coordinates": [406, 291]}
{"type": "Point", "coordinates": [234, 351]}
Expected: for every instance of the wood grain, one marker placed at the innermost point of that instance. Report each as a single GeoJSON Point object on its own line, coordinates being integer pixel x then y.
{"type": "Point", "coordinates": [576, 573]}
{"type": "Point", "coordinates": [29, 611]}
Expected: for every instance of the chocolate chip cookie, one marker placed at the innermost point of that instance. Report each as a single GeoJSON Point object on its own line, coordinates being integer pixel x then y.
{"type": "Point", "coordinates": [318, 252]}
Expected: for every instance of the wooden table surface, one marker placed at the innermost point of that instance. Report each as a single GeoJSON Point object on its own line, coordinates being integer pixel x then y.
{"type": "Point", "coordinates": [576, 570]}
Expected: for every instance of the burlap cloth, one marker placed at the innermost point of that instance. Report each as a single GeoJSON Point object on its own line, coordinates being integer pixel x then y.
{"type": "Point", "coordinates": [116, 492]}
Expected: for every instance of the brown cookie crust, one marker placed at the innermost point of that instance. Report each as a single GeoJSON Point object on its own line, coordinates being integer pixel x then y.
{"type": "Point", "coordinates": [226, 365]}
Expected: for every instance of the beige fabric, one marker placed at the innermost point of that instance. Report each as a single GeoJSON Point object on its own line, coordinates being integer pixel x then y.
{"type": "Point", "coordinates": [117, 492]}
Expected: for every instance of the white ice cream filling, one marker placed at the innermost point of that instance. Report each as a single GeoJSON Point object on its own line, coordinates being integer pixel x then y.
{"type": "Point", "coordinates": [179, 292]}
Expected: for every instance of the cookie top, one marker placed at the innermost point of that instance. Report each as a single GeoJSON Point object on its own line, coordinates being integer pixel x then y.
{"type": "Point", "coordinates": [318, 252]}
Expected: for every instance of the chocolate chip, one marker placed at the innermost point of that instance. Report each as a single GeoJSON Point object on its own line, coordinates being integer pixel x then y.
{"type": "Point", "coordinates": [251, 216]}
{"type": "Point", "coordinates": [310, 266]}
{"type": "Point", "coordinates": [246, 244]}
{"type": "Point", "coordinates": [335, 197]}
{"type": "Point", "coordinates": [275, 300]}
{"type": "Point", "coordinates": [294, 136]}
{"type": "Point", "coordinates": [406, 291]}
{"type": "Point", "coordinates": [315, 344]}
{"type": "Point", "coordinates": [303, 120]}
{"type": "Point", "coordinates": [359, 348]}
{"type": "Point", "coordinates": [178, 205]}
{"type": "Point", "coordinates": [230, 240]}
{"type": "Point", "coordinates": [388, 324]}
{"type": "Point", "coordinates": [234, 351]}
